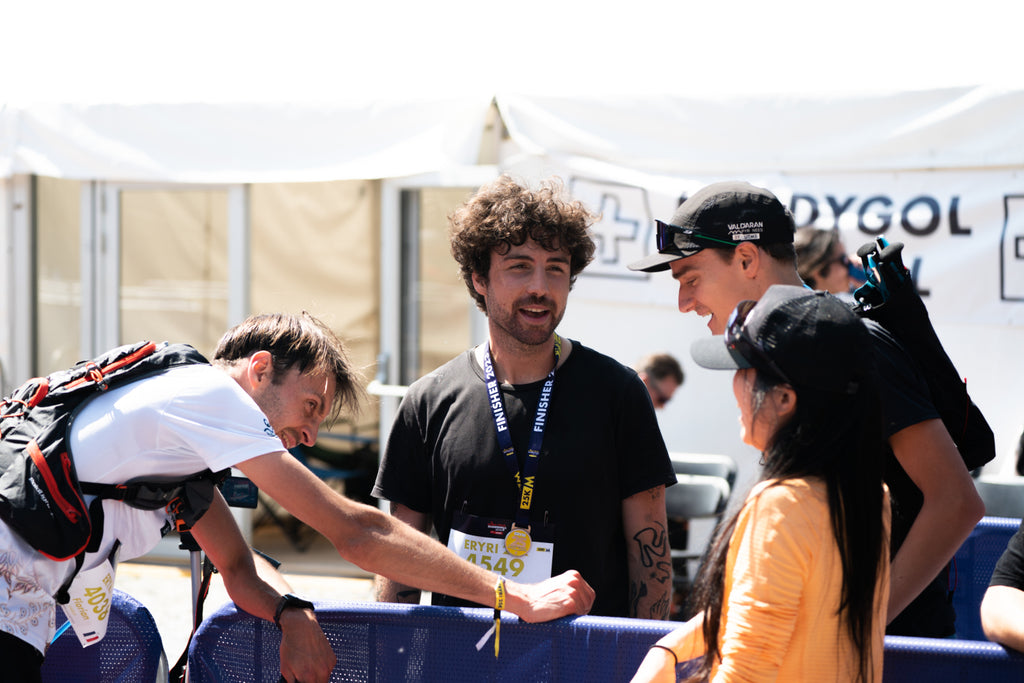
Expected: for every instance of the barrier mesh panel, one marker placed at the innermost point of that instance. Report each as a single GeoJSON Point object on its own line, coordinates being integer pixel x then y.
{"type": "Point", "coordinates": [384, 642]}
{"type": "Point", "coordinates": [131, 652]}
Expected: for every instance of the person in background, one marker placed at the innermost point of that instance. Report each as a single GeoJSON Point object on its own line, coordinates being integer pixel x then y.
{"type": "Point", "coordinates": [795, 585]}
{"type": "Point", "coordinates": [662, 375]}
{"type": "Point", "coordinates": [731, 241]}
{"type": "Point", "coordinates": [1002, 607]}
{"type": "Point", "coordinates": [532, 453]}
{"type": "Point", "coordinates": [823, 263]}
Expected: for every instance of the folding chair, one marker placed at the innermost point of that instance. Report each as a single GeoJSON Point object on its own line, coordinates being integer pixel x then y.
{"type": "Point", "coordinates": [694, 496]}
{"type": "Point", "coordinates": [712, 465]}
{"type": "Point", "coordinates": [1003, 496]}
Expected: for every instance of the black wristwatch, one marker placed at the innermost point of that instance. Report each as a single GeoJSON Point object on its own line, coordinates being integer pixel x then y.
{"type": "Point", "coordinates": [288, 600]}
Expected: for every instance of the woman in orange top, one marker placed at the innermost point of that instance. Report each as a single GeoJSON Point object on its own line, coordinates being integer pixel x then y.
{"type": "Point", "coordinates": [795, 585]}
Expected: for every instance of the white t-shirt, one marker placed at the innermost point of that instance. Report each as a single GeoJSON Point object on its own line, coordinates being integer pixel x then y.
{"type": "Point", "coordinates": [167, 427]}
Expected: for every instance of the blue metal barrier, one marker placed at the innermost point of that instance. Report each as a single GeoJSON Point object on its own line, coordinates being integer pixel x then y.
{"type": "Point", "coordinates": [972, 569]}
{"type": "Point", "coordinates": [923, 660]}
{"type": "Point", "coordinates": [388, 642]}
{"type": "Point", "coordinates": [131, 652]}
{"type": "Point", "coordinates": [376, 643]}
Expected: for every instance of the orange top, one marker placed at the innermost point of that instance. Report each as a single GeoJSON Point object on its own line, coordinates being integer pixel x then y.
{"type": "Point", "coordinates": [783, 584]}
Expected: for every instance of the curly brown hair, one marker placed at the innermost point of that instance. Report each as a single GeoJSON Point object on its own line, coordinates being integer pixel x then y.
{"type": "Point", "coordinates": [505, 213]}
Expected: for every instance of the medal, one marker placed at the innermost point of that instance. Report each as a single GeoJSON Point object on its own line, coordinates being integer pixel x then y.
{"type": "Point", "coordinates": [518, 541]}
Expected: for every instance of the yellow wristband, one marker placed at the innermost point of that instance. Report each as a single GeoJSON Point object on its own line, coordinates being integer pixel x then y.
{"type": "Point", "coordinates": [499, 604]}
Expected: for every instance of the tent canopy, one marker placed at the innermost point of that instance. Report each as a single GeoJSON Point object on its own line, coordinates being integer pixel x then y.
{"type": "Point", "coordinates": [246, 92]}
{"type": "Point", "coordinates": [233, 143]}
{"type": "Point", "coordinates": [680, 136]}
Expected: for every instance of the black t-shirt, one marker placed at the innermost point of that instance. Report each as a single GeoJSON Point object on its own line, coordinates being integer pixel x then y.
{"type": "Point", "coordinates": [1009, 570]}
{"type": "Point", "coordinates": [906, 401]}
{"type": "Point", "coordinates": [601, 445]}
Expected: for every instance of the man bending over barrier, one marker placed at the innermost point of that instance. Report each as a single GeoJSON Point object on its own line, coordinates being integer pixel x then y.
{"type": "Point", "coordinates": [274, 380]}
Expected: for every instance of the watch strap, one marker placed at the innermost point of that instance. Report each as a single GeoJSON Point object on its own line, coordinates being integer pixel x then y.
{"type": "Point", "coordinates": [289, 600]}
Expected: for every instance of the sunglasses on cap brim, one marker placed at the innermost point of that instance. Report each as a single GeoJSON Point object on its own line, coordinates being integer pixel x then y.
{"type": "Point", "coordinates": [739, 341]}
{"type": "Point", "coordinates": [666, 237]}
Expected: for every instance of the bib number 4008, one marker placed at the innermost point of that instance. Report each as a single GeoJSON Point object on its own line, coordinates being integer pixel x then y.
{"type": "Point", "coordinates": [500, 565]}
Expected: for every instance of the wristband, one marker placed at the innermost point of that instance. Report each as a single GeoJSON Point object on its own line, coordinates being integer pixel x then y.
{"type": "Point", "coordinates": [289, 600]}
{"type": "Point", "coordinates": [499, 604]}
{"type": "Point", "coordinates": [666, 649]}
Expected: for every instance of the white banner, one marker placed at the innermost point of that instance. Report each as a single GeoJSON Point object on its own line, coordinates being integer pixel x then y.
{"type": "Point", "coordinates": [963, 233]}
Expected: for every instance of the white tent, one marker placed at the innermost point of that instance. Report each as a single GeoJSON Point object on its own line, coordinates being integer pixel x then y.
{"type": "Point", "coordinates": [241, 143]}
{"type": "Point", "coordinates": [902, 119]}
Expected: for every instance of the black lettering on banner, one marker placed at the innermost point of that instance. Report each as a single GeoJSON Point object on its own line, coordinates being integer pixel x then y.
{"type": "Point", "coordinates": [837, 209]}
{"type": "Point", "coordinates": [954, 218]}
{"type": "Point", "coordinates": [933, 222]}
{"type": "Point", "coordinates": [875, 214]}
{"type": "Point", "coordinates": [811, 202]}
{"type": "Point", "coordinates": [915, 275]}
{"type": "Point", "coordinates": [867, 208]}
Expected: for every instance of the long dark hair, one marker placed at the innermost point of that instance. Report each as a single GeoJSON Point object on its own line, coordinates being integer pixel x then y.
{"type": "Point", "coordinates": [838, 438]}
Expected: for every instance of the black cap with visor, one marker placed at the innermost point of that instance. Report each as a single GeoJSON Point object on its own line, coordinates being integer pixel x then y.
{"type": "Point", "coordinates": [721, 214]}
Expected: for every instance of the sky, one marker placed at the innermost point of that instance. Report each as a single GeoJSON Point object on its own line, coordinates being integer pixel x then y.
{"type": "Point", "coordinates": [116, 51]}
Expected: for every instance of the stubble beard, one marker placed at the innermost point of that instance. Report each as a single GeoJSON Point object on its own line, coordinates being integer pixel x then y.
{"type": "Point", "coordinates": [511, 327]}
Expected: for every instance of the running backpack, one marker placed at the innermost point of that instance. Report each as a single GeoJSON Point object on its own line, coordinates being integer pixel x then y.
{"type": "Point", "coordinates": [890, 298]}
{"type": "Point", "coordinates": [40, 495]}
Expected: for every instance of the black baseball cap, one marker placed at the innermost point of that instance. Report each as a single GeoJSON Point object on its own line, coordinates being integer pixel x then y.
{"type": "Point", "coordinates": [803, 337]}
{"type": "Point", "coordinates": [725, 213]}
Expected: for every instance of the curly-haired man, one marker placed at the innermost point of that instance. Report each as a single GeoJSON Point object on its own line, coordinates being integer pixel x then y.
{"type": "Point", "coordinates": [531, 453]}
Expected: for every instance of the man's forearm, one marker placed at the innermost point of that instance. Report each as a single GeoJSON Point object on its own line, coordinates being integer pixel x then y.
{"type": "Point", "coordinates": [950, 509]}
{"type": "Point", "coordinates": [650, 574]}
{"type": "Point", "coordinates": [934, 538]}
{"type": "Point", "coordinates": [648, 555]}
{"type": "Point", "coordinates": [1002, 616]}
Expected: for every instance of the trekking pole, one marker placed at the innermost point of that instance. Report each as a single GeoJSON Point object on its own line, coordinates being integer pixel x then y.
{"type": "Point", "coordinates": [195, 557]}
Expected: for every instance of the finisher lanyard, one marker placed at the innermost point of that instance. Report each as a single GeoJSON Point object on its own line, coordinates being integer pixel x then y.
{"type": "Point", "coordinates": [524, 480]}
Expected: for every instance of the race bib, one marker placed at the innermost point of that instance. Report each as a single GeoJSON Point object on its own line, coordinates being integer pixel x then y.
{"type": "Point", "coordinates": [482, 541]}
{"type": "Point", "coordinates": [89, 607]}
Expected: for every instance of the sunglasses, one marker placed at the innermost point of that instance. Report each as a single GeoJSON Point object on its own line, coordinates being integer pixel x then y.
{"type": "Point", "coordinates": [666, 237]}
{"type": "Point", "coordinates": [841, 260]}
{"type": "Point", "coordinates": [737, 339]}
{"type": "Point", "coordinates": [658, 398]}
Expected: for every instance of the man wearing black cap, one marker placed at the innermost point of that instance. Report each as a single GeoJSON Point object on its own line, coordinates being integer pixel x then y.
{"type": "Point", "coordinates": [731, 241]}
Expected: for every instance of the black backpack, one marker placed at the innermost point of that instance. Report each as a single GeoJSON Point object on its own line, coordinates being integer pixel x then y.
{"type": "Point", "coordinates": [890, 298]}
{"type": "Point", "coordinates": [40, 494]}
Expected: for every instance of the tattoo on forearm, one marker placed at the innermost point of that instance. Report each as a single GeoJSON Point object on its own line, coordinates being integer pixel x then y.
{"type": "Point", "coordinates": [655, 557]}
{"type": "Point", "coordinates": [655, 554]}
{"type": "Point", "coordinates": [637, 591]}
{"type": "Point", "coordinates": [660, 607]}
